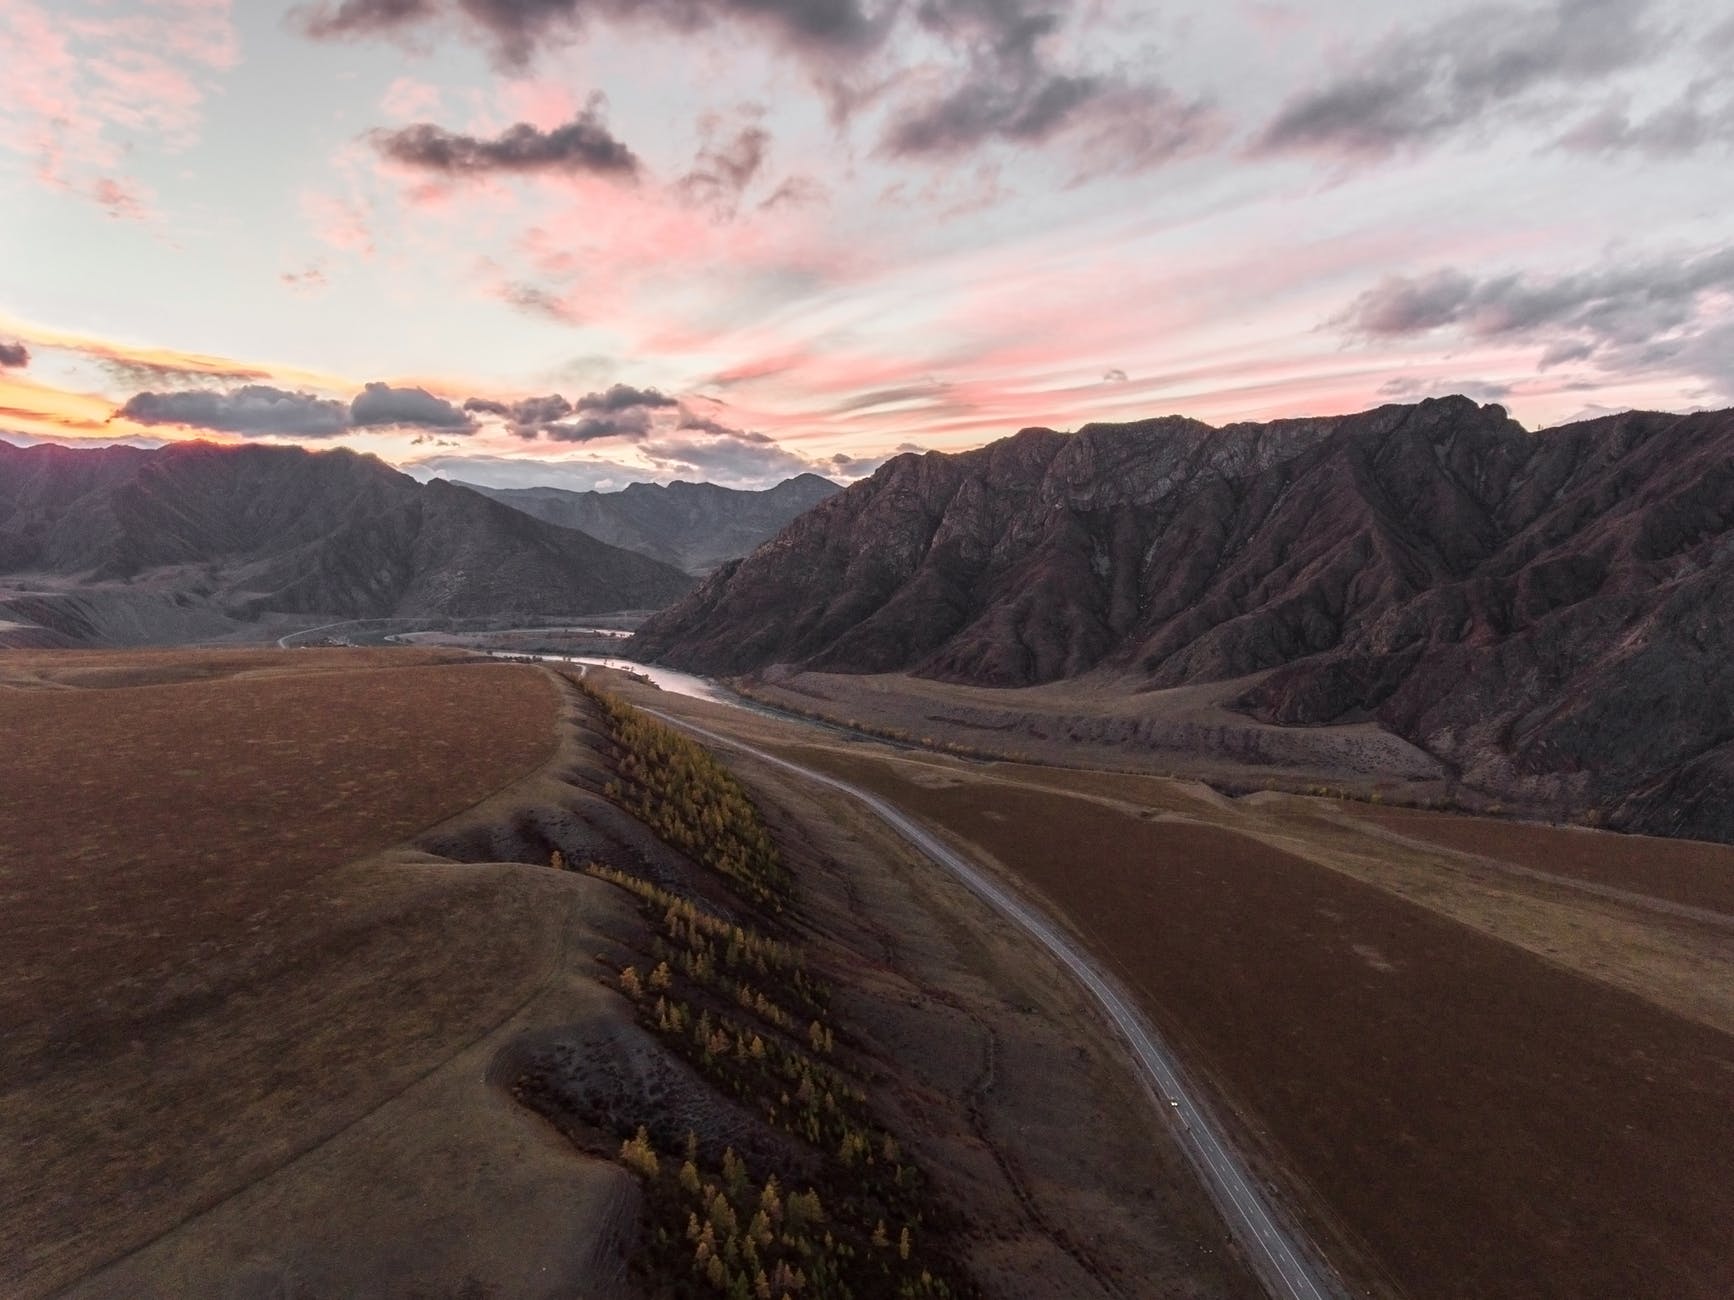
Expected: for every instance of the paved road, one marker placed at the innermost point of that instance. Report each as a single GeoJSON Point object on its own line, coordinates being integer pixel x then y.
{"type": "Point", "coordinates": [1286, 1262]}
{"type": "Point", "coordinates": [284, 640]}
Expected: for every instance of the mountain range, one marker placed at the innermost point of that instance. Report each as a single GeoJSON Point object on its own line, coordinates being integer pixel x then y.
{"type": "Point", "coordinates": [122, 544]}
{"type": "Point", "coordinates": [1551, 614]}
{"type": "Point", "coordinates": [693, 526]}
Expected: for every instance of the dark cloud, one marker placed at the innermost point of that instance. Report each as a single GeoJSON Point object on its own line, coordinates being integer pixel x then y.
{"type": "Point", "coordinates": [621, 397]}
{"type": "Point", "coordinates": [1120, 126]}
{"type": "Point", "coordinates": [987, 106]}
{"type": "Point", "coordinates": [585, 144]}
{"type": "Point", "coordinates": [1010, 91]}
{"type": "Point", "coordinates": [518, 29]}
{"type": "Point", "coordinates": [257, 409]}
{"type": "Point", "coordinates": [632, 424]}
{"type": "Point", "coordinates": [794, 192]}
{"type": "Point", "coordinates": [1418, 87]}
{"type": "Point", "coordinates": [1007, 88]}
{"type": "Point", "coordinates": [361, 17]}
{"type": "Point", "coordinates": [692, 421]}
{"type": "Point", "coordinates": [381, 404]}
{"type": "Point", "coordinates": [1401, 304]}
{"type": "Point", "coordinates": [621, 412]}
{"type": "Point", "coordinates": [13, 356]}
{"type": "Point", "coordinates": [253, 409]}
{"type": "Point", "coordinates": [1564, 352]}
{"type": "Point", "coordinates": [1641, 315]}
{"type": "Point", "coordinates": [526, 417]}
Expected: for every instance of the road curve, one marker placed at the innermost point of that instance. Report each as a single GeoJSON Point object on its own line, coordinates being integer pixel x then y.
{"type": "Point", "coordinates": [1286, 1262]}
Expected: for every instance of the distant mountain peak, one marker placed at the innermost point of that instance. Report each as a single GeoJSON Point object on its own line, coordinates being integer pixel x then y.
{"type": "Point", "coordinates": [239, 531]}
{"type": "Point", "coordinates": [693, 526]}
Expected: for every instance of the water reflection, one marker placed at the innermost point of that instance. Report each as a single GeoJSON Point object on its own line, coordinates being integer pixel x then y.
{"type": "Point", "coordinates": [699, 688]}
{"type": "Point", "coordinates": [667, 679]}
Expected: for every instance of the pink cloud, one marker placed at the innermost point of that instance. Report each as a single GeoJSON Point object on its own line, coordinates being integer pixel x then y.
{"type": "Point", "coordinates": [341, 223]}
{"type": "Point", "coordinates": [85, 87]}
{"type": "Point", "coordinates": [121, 199]}
{"type": "Point", "coordinates": [545, 105]}
{"type": "Point", "coordinates": [407, 99]}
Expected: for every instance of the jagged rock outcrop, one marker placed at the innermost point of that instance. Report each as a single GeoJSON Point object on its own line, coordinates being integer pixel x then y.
{"type": "Point", "coordinates": [1551, 613]}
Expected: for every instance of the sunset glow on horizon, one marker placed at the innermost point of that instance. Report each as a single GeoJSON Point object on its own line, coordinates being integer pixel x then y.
{"type": "Point", "coordinates": [583, 242]}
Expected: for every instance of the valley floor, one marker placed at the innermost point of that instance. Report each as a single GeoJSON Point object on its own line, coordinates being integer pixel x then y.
{"type": "Point", "coordinates": [1482, 1059]}
{"type": "Point", "coordinates": [290, 945]}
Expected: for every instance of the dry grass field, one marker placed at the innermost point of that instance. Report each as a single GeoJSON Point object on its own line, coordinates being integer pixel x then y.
{"type": "Point", "coordinates": [1474, 1121]}
{"type": "Point", "coordinates": [205, 977]}
{"type": "Point", "coordinates": [289, 939]}
{"type": "Point", "coordinates": [1689, 872]}
{"type": "Point", "coordinates": [158, 809]}
{"type": "Point", "coordinates": [1476, 1082]}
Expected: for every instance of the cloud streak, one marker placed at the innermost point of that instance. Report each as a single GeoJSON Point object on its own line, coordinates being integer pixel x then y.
{"type": "Point", "coordinates": [1416, 88]}
{"type": "Point", "coordinates": [1689, 124]}
{"type": "Point", "coordinates": [1641, 316]}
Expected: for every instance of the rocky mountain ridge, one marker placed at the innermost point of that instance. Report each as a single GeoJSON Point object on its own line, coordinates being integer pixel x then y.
{"type": "Point", "coordinates": [1551, 614]}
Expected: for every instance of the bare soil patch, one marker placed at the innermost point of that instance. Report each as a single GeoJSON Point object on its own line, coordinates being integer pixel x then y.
{"type": "Point", "coordinates": [1469, 1119]}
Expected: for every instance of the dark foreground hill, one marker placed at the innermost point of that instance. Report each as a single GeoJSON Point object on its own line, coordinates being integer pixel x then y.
{"type": "Point", "coordinates": [1551, 614]}
{"type": "Point", "coordinates": [123, 544]}
{"type": "Point", "coordinates": [693, 526]}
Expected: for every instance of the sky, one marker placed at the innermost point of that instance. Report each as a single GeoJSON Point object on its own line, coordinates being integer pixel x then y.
{"type": "Point", "coordinates": [587, 242]}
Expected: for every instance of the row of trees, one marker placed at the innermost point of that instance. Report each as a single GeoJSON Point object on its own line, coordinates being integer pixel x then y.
{"type": "Point", "coordinates": [741, 1008]}
{"type": "Point", "coordinates": [677, 788]}
{"type": "Point", "coordinates": [747, 1240]}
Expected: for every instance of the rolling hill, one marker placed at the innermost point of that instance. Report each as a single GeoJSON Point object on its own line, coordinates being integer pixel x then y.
{"type": "Point", "coordinates": [122, 545]}
{"type": "Point", "coordinates": [1551, 614]}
